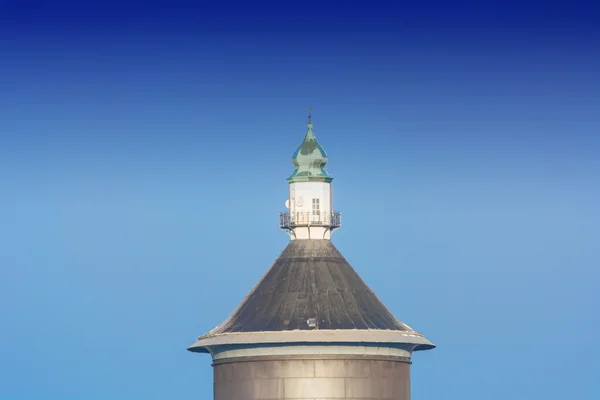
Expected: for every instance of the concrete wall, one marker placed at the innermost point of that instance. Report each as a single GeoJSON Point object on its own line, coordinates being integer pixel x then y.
{"type": "Point", "coordinates": [320, 378]}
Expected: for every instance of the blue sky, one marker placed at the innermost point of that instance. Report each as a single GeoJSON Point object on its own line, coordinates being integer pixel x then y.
{"type": "Point", "coordinates": [143, 156]}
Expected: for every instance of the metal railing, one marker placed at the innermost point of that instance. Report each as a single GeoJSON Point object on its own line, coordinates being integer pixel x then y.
{"type": "Point", "coordinates": [289, 220]}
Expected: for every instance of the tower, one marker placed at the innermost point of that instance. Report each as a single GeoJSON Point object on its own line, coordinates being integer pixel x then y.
{"type": "Point", "coordinates": [311, 328]}
{"type": "Point", "coordinates": [310, 200]}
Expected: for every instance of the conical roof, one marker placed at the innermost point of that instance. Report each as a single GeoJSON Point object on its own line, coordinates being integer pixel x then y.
{"type": "Point", "coordinates": [310, 280]}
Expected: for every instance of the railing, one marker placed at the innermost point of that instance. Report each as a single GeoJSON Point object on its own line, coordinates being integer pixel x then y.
{"type": "Point", "coordinates": [289, 220]}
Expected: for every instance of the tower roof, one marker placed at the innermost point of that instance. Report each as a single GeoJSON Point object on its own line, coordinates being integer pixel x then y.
{"type": "Point", "coordinates": [310, 159]}
{"type": "Point", "coordinates": [311, 294]}
{"type": "Point", "coordinates": [310, 279]}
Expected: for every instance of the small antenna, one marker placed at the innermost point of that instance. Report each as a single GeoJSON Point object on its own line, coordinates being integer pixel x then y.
{"type": "Point", "coordinates": [309, 116]}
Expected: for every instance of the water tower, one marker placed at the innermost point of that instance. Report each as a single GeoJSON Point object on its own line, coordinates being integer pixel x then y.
{"type": "Point", "coordinates": [311, 328]}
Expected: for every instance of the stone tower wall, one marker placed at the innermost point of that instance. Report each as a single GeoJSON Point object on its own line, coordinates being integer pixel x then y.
{"type": "Point", "coordinates": [318, 378]}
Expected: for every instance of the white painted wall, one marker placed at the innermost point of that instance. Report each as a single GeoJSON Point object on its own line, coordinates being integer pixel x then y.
{"type": "Point", "coordinates": [311, 232]}
{"type": "Point", "coordinates": [301, 195]}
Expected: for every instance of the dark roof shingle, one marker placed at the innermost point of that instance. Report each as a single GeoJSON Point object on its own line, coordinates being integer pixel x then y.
{"type": "Point", "coordinates": [310, 279]}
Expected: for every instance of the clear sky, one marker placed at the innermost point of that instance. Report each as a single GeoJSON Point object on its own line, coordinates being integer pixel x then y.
{"type": "Point", "coordinates": [143, 156]}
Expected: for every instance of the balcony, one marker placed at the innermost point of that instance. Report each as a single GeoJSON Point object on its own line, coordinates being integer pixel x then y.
{"type": "Point", "coordinates": [289, 220]}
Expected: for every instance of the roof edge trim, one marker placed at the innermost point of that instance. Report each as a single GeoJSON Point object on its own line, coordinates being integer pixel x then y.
{"type": "Point", "coordinates": [315, 336]}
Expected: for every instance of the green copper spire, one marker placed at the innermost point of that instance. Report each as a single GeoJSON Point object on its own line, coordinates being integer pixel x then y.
{"type": "Point", "coordinates": [310, 159]}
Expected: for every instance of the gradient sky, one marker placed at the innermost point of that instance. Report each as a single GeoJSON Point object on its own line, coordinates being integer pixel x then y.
{"type": "Point", "coordinates": [143, 156]}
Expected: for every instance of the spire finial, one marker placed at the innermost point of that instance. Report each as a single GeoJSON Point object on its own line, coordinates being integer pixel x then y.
{"type": "Point", "coordinates": [309, 116]}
